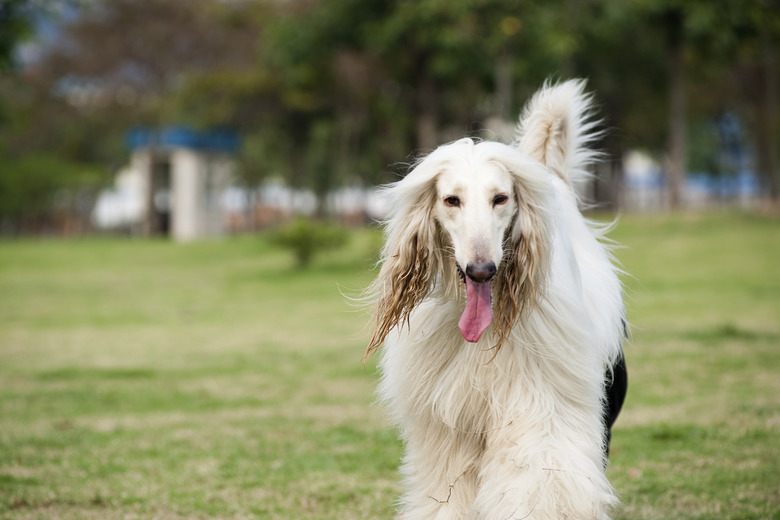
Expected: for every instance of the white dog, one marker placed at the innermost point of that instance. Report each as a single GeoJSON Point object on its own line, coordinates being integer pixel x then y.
{"type": "Point", "coordinates": [501, 316]}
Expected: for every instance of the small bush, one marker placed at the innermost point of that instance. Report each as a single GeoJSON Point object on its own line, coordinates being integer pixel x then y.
{"type": "Point", "coordinates": [306, 237]}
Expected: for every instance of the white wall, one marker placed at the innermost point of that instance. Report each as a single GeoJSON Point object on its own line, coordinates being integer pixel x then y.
{"type": "Point", "coordinates": [197, 181]}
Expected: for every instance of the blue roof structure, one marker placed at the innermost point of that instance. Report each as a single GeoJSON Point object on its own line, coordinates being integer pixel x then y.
{"type": "Point", "coordinates": [226, 141]}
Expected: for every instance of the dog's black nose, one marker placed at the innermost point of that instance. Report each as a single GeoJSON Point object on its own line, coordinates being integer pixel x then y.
{"type": "Point", "coordinates": [481, 271]}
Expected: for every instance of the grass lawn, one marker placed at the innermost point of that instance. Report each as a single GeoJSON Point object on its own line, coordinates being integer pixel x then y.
{"type": "Point", "coordinates": [145, 379]}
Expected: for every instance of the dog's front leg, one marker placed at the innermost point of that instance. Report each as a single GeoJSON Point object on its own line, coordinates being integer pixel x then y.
{"type": "Point", "coordinates": [439, 472]}
{"type": "Point", "coordinates": [536, 474]}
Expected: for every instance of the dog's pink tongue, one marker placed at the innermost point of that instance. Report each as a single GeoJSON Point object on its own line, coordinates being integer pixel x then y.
{"type": "Point", "coordinates": [479, 313]}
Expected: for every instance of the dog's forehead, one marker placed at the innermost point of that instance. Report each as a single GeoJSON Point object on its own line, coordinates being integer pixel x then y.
{"type": "Point", "coordinates": [473, 175]}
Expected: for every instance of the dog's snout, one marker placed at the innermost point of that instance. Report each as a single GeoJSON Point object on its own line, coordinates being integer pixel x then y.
{"type": "Point", "coordinates": [481, 271]}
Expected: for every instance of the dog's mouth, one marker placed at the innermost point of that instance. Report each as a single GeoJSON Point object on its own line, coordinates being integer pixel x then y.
{"type": "Point", "coordinates": [478, 314]}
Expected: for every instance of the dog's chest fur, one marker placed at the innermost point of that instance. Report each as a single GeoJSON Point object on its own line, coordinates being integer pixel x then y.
{"type": "Point", "coordinates": [468, 387]}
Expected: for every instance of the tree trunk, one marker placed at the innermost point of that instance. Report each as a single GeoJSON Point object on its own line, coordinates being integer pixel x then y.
{"type": "Point", "coordinates": [767, 115]}
{"type": "Point", "coordinates": [503, 78]}
{"type": "Point", "coordinates": [427, 117]}
{"type": "Point", "coordinates": [677, 139]}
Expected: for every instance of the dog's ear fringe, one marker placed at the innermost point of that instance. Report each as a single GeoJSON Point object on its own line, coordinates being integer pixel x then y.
{"type": "Point", "coordinates": [402, 283]}
{"type": "Point", "coordinates": [410, 260]}
{"type": "Point", "coordinates": [523, 276]}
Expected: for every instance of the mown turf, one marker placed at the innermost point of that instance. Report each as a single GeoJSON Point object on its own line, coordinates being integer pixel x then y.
{"type": "Point", "coordinates": [146, 379]}
{"type": "Point", "coordinates": [699, 434]}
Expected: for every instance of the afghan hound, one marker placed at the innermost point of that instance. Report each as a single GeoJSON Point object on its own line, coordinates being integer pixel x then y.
{"type": "Point", "coordinates": [500, 321]}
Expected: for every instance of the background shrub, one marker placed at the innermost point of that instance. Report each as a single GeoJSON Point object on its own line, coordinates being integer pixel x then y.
{"type": "Point", "coordinates": [305, 237]}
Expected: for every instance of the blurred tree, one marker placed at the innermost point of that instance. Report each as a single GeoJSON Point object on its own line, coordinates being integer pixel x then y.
{"type": "Point", "coordinates": [443, 59]}
{"type": "Point", "coordinates": [44, 184]}
{"type": "Point", "coordinates": [15, 26]}
{"type": "Point", "coordinates": [27, 190]}
{"type": "Point", "coordinates": [392, 77]}
{"type": "Point", "coordinates": [111, 66]}
{"type": "Point", "coordinates": [701, 39]}
{"type": "Point", "coordinates": [333, 92]}
{"type": "Point", "coordinates": [45, 193]}
{"type": "Point", "coordinates": [127, 55]}
{"type": "Point", "coordinates": [756, 64]}
{"type": "Point", "coordinates": [680, 65]}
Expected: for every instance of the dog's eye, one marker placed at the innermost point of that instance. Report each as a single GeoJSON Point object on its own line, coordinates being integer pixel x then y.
{"type": "Point", "coordinates": [452, 201]}
{"type": "Point", "coordinates": [498, 200]}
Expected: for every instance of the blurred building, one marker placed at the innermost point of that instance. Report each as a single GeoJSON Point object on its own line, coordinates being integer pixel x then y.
{"type": "Point", "coordinates": [645, 189]}
{"type": "Point", "coordinates": [174, 184]}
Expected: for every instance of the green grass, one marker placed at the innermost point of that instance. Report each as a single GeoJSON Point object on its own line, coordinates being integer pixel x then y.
{"type": "Point", "coordinates": [146, 379]}
{"type": "Point", "coordinates": [700, 432]}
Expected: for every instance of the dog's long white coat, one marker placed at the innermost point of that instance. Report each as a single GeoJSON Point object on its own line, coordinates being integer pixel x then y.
{"type": "Point", "coordinates": [520, 436]}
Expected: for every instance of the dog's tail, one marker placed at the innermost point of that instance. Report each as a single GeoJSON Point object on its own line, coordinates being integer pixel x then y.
{"type": "Point", "coordinates": [557, 128]}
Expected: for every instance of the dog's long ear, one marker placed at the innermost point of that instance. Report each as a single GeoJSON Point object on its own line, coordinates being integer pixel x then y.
{"type": "Point", "coordinates": [556, 129]}
{"type": "Point", "coordinates": [527, 246]}
{"type": "Point", "coordinates": [412, 254]}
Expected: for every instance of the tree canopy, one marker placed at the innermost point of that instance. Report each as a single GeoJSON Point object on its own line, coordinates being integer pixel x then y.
{"type": "Point", "coordinates": [340, 91]}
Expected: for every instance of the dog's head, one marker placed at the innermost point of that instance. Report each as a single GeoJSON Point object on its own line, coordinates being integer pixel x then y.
{"type": "Point", "coordinates": [482, 213]}
{"type": "Point", "coordinates": [470, 215]}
